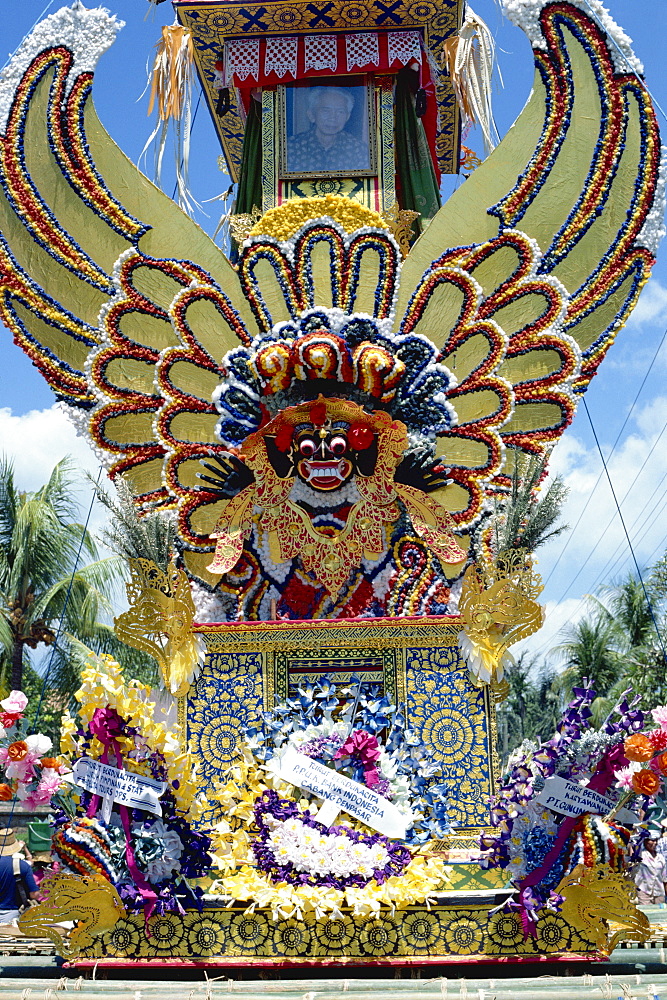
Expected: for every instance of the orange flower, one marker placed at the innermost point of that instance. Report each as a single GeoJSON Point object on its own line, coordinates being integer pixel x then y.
{"type": "Point", "coordinates": [638, 748]}
{"type": "Point", "coordinates": [49, 762]}
{"type": "Point", "coordinates": [645, 782]}
{"type": "Point", "coordinates": [6, 793]}
{"type": "Point", "coordinates": [17, 751]}
{"type": "Point", "coordinates": [660, 763]}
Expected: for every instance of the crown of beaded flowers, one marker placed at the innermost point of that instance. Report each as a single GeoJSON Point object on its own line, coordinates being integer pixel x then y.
{"type": "Point", "coordinates": [340, 354]}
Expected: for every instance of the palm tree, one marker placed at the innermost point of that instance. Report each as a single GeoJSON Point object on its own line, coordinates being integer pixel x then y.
{"type": "Point", "coordinates": [590, 650]}
{"type": "Point", "coordinates": [635, 612]}
{"type": "Point", "coordinates": [531, 708]}
{"type": "Point", "coordinates": [44, 588]}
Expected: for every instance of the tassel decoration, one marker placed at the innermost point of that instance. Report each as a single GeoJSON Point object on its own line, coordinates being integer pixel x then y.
{"type": "Point", "coordinates": [171, 78]}
{"type": "Point", "coordinates": [171, 82]}
{"type": "Point", "coordinates": [470, 58]}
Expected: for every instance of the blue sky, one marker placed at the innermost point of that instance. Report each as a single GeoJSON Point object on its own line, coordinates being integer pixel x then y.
{"type": "Point", "coordinates": [574, 565]}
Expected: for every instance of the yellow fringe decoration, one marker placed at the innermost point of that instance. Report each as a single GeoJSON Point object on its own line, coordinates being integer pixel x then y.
{"type": "Point", "coordinates": [171, 83]}
{"type": "Point", "coordinates": [171, 79]}
{"type": "Point", "coordinates": [470, 57]}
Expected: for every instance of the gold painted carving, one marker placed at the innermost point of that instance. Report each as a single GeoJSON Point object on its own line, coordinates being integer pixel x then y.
{"type": "Point", "coordinates": [159, 621]}
{"type": "Point", "coordinates": [240, 225]}
{"type": "Point", "coordinates": [498, 608]}
{"type": "Point", "coordinates": [92, 903]}
{"type": "Point", "coordinates": [597, 896]}
{"type": "Point", "coordinates": [400, 222]}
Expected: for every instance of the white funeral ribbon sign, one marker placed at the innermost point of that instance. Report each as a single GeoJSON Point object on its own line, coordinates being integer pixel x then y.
{"type": "Point", "coordinates": [568, 797]}
{"type": "Point", "coordinates": [117, 785]}
{"type": "Point", "coordinates": [341, 793]}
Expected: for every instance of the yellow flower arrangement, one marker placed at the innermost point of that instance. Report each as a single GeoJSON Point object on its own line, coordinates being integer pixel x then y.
{"type": "Point", "coordinates": [103, 684]}
{"type": "Point", "coordinates": [240, 880]}
{"type": "Point", "coordinates": [285, 220]}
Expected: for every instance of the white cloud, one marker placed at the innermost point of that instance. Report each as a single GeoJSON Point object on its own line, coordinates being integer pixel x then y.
{"type": "Point", "coordinates": [651, 306]}
{"type": "Point", "coordinates": [595, 551]}
{"type": "Point", "coordinates": [36, 441]}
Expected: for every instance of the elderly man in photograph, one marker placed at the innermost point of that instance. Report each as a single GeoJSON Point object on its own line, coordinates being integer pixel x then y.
{"type": "Point", "coordinates": [326, 145]}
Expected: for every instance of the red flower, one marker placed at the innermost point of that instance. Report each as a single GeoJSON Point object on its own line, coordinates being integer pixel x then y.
{"type": "Point", "coordinates": [318, 414]}
{"type": "Point", "coordinates": [9, 719]}
{"type": "Point", "coordinates": [284, 440]}
{"type": "Point", "coordinates": [360, 436]}
{"type": "Point", "coordinates": [658, 740]}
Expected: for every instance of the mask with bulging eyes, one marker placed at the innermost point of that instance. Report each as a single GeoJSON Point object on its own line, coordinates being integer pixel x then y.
{"type": "Point", "coordinates": [324, 457]}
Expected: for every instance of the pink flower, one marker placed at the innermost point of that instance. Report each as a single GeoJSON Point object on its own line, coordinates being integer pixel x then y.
{"type": "Point", "coordinates": [659, 714]}
{"type": "Point", "coordinates": [48, 785]}
{"type": "Point", "coordinates": [14, 703]}
{"type": "Point", "coordinates": [21, 770]}
{"type": "Point", "coordinates": [624, 776]}
{"type": "Point", "coordinates": [360, 744]}
{"type": "Point", "coordinates": [371, 777]}
{"type": "Point", "coordinates": [29, 798]}
{"type": "Point", "coordinates": [106, 724]}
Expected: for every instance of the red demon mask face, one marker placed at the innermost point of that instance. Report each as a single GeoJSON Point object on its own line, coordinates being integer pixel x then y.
{"type": "Point", "coordinates": [322, 453]}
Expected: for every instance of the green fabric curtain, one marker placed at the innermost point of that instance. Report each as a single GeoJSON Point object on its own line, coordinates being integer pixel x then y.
{"type": "Point", "coordinates": [249, 192]}
{"type": "Point", "coordinates": [417, 184]}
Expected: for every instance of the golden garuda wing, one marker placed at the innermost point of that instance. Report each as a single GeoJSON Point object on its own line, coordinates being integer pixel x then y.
{"type": "Point", "coordinates": [89, 284]}
{"type": "Point", "coordinates": [551, 240]}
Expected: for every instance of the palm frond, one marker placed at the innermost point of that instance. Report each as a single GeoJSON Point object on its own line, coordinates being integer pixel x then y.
{"type": "Point", "coordinates": [152, 536]}
{"type": "Point", "coordinates": [524, 519]}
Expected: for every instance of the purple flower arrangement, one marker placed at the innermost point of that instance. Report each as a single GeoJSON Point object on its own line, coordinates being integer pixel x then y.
{"type": "Point", "coordinates": [294, 847]}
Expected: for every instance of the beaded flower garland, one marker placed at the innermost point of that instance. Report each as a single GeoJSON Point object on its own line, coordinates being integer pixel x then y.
{"type": "Point", "coordinates": [519, 345]}
{"type": "Point", "coordinates": [538, 846]}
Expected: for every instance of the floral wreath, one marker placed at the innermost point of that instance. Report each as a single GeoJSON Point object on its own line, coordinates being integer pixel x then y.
{"type": "Point", "coordinates": [270, 847]}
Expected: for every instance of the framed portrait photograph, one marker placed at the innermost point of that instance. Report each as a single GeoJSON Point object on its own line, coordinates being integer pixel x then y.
{"type": "Point", "coordinates": [328, 129]}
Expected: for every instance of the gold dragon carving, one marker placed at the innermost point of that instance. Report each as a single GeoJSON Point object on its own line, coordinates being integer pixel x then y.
{"type": "Point", "coordinates": [91, 903]}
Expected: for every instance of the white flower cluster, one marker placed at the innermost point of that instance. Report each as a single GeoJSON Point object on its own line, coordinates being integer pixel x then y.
{"type": "Point", "coordinates": [87, 33]}
{"type": "Point", "coordinates": [293, 842]}
{"type": "Point", "coordinates": [653, 230]}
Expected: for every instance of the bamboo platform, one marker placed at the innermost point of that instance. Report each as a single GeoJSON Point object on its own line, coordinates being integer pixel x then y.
{"type": "Point", "coordinates": [607, 987]}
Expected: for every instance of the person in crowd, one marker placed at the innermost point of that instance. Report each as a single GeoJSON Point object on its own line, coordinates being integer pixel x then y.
{"type": "Point", "coordinates": [651, 874]}
{"type": "Point", "coordinates": [9, 900]}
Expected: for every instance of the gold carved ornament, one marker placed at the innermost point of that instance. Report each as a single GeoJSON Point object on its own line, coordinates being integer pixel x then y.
{"type": "Point", "coordinates": [498, 608]}
{"type": "Point", "coordinates": [240, 225]}
{"type": "Point", "coordinates": [92, 903]}
{"type": "Point", "coordinates": [330, 557]}
{"type": "Point", "coordinates": [159, 621]}
{"type": "Point", "coordinates": [596, 899]}
{"type": "Point", "coordinates": [400, 221]}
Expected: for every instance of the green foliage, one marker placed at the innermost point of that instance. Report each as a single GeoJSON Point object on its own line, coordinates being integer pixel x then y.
{"type": "Point", "coordinates": [616, 644]}
{"type": "Point", "coordinates": [525, 519]}
{"type": "Point", "coordinates": [531, 710]}
{"type": "Point", "coordinates": [152, 536]}
{"type": "Point", "coordinates": [55, 590]}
